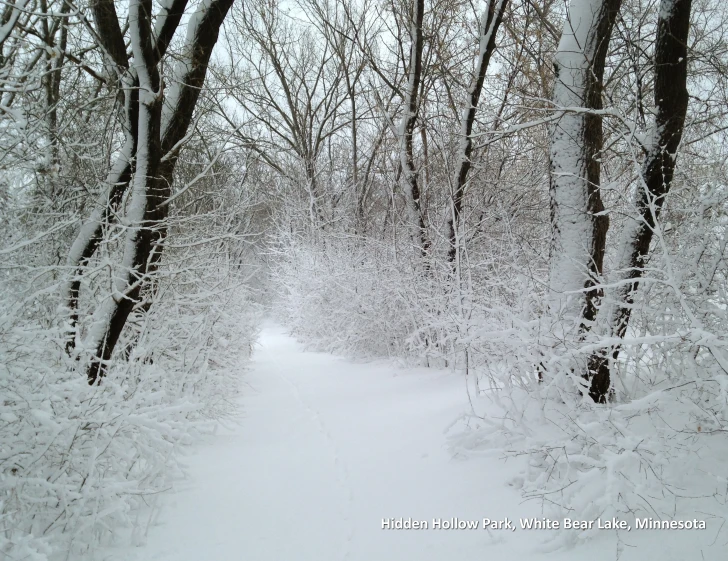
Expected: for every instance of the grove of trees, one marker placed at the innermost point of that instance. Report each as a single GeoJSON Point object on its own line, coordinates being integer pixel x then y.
{"type": "Point", "coordinates": [531, 192]}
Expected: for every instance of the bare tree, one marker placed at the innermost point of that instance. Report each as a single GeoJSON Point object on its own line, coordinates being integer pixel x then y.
{"type": "Point", "coordinates": [162, 126]}
{"type": "Point", "coordinates": [490, 21]}
{"type": "Point", "coordinates": [292, 87]}
{"type": "Point", "coordinates": [671, 103]}
{"type": "Point", "coordinates": [579, 224]}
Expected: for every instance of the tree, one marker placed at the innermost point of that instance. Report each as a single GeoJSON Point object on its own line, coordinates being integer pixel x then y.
{"type": "Point", "coordinates": [291, 86]}
{"type": "Point", "coordinates": [579, 223]}
{"type": "Point", "coordinates": [154, 146]}
{"type": "Point", "coordinates": [109, 34]}
{"type": "Point", "coordinates": [490, 21]}
{"type": "Point", "coordinates": [671, 103]}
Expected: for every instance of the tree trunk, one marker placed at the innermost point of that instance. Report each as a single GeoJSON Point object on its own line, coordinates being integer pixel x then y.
{"type": "Point", "coordinates": [489, 24]}
{"type": "Point", "coordinates": [111, 39]}
{"type": "Point", "coordinates": [91, 233]}
{"type": "Point", "coordinates": [671, 101]}
{"type": "Point", "coordinates": [409, 118]}
{"type": "Point", "coordinates": [141, 210]}
{"type": "Point", "coordinates": [579, 225]}
{"type": "Point", "coordinates": [160, 135]}
{"type": "Point", "coordinates": [55, 56]}
{"type": "Point", "coordinates": [117, 181]}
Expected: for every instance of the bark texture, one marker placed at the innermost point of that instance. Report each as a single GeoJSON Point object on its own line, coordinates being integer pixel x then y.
{"type": "Point", "coordinates": [409, 119]}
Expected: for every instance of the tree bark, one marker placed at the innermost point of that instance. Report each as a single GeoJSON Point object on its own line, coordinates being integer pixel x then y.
{"type": "Point", "coordinates": [671, 101]}
{"type": "Point", "coordinates": [109, 35]}
{"type": "Point", "coordinates": [579, 225]}
{"type": "Point", "coordinates": [162, 128]}
{"type": "Point", "coordinates": [409, 118]}
{"type": "Point", "coordinates": [108, 32]}
{"type": "Point", "coordinates": [489, 24]}
{"type": "Point", "coordinates": [91, 233]}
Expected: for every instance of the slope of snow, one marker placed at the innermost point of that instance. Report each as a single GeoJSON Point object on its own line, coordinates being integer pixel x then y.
{"type": "Point", "coordinates": [326, 449]}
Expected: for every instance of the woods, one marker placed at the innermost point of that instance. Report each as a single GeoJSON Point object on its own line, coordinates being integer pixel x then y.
{"type": "Point", "coordinates": [533, 195]}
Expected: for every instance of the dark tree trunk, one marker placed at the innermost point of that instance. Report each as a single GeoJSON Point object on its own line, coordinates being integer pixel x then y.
{"type": "Point", "coordinates": [156, 160]}
{"type": "Point", "coordinates": [409, 120]}
{"type": "Point", "coordinates": [149, 152]}
{"type": "Point", "coordinates": [579, 224]}
{"type": "Point", "coordinates": [492, 19]}
{"type": "Point", "coordinates": [671, 100]}
{"type": "Point", "coordinates": [577, 212]}
{"type": "Point", "coordinates": [91, 234]}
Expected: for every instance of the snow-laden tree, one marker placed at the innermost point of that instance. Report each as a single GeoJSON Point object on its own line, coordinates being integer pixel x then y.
{"type": "Point", "coordinates": [578, 219]}
{"type": "Point", "coordinates": [653, 185]}
{"type": "Point", "coordinates": [122, 216]}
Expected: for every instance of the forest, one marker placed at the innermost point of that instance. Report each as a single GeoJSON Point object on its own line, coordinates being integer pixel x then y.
{"type": "Point", "coordinates": [531, 195]}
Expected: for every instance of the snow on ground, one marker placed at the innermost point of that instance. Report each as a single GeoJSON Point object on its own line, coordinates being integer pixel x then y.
{"type": "Point", "coordinates": [327, 448]}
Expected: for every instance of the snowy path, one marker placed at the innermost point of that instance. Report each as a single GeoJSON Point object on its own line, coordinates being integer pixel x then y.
{"type": "Point", "coordinates": [326, 449]}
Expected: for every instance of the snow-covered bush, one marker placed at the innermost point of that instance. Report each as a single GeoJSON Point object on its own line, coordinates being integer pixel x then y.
{"type": "Point", "coordinates": [658, 448]}
{"type": "Point", "coordinates": [358, 297]}
{"type": "Point", "coordinates": [80, 465]}
{"type": "Point", "coordinates": [366, 298]}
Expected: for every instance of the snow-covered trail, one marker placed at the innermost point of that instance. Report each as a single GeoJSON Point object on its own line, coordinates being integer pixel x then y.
{"type": "Point", "coordinates": [326, 449]}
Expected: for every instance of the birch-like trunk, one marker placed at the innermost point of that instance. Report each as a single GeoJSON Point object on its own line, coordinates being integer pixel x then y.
{"type": "Point", "coordinates": [579, 225]}
{"type": "Point", "coordinates": [671, 102]}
